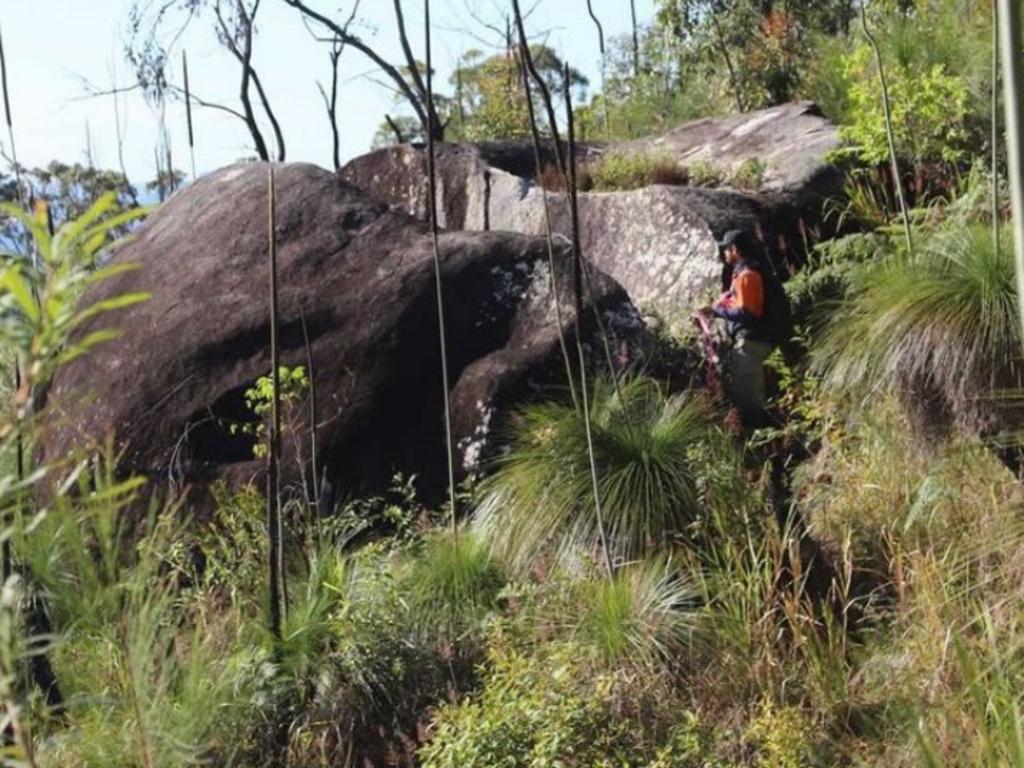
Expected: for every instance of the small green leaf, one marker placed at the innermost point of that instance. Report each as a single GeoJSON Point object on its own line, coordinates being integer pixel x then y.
{"type": "Point", "coordinates": [13, 281]}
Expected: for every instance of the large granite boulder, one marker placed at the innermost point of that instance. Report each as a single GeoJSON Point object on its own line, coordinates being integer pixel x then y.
{"type": "Point", "coordinates": [360, 276]}
{"type": "Point", "coordinates": [658, 241]}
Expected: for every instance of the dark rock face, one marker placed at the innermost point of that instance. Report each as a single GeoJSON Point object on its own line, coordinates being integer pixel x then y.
{"type": "Point", "coordinates": [658, 242]}
{"type": "Point", "coordinates": [362, 277]}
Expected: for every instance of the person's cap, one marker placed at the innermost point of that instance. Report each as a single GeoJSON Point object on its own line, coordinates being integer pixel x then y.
{"type": "Point", "coordinates": [736, 237]}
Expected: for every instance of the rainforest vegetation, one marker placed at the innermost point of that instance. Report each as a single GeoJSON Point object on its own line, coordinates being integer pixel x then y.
{"type": "Point", "coordinates": [633, 582]}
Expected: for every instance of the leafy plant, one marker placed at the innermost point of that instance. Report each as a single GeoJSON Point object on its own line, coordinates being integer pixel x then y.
{"type": "Point", "coordinates": [39, 309]}
{"type": "Point", "coordinates": [540, 501]}
{"type": "Point", "coordinates": [451, 585]}
{"type": "Point", "coordinates": [531, 712]}
{"type": "Point", "coordinates": [704, 173]}
{"type": "Point", "coordinates": [749, 174]}
{"type": "Point", "coordinates": [644, 617]}
{"type": "Point", "coordinates": [940, 330]}
{"type": "Point", "coordinates": [620, 171]}
{"type": "Point", "coordinates": [929, 113]}
{"type": "Point", "coordinates": [259, 398]}
{"type": "Point", "coordinates": [782, 736]}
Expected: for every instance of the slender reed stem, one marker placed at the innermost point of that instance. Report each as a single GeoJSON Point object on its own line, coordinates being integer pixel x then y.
{"type": "Point", "coordinates": [6, 557]}
{"type": "Point", "coordinates": [274, 530]}
{"type": "Point", "coordinates": [889, 133]}
{"type": "Point", "coordinates": [577, 285]}
{"type": "Point", "coordinates": [1013, 82]}
{"type": "Point", "coordinates": [995, 127]}
{"type": "Point", "coordinates": [636, 39]}
{"type": "Point", "coordinates": [312, 416]}
{"type": "Point", "coordinates": [556, 302]}
{"type": "Point", "coordinates": [542, 88]}
{"type": "Point", "coordinates": [188, 113]}
{"type": "Point", "coordinates": [563, 167]}
{"type": "Point", "coordinates": [601, 49]}
{"type": "Point", "coordinates": [432, 209]}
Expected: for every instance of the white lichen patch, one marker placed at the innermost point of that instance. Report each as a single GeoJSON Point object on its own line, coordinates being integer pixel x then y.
{"type": "Point", "coordinates": [472, 447]}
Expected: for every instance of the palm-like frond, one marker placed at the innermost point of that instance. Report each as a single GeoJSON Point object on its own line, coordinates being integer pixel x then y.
{"type": "Point", "coordinates": [643, 617]}
{"type": "Point", "coordinates": [541, 498]}
{"type": "Point", "coordinates": [450, 584]}
{"type": "Point", "coordinates": [941, 327]}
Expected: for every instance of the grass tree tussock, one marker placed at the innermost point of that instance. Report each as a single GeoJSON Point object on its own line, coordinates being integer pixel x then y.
{"type": "Point", "coordinates": [647, 444]}
{"type": "Point", "coordinates": [939, 329]}
{"type": "Point", "coordinates": [644, 618]}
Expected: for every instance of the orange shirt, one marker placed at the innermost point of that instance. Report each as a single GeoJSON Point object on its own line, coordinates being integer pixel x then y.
{"type": "Point", "coordinates": [745, 297]}
{"type": "Point", "coordinates": [748, 292]}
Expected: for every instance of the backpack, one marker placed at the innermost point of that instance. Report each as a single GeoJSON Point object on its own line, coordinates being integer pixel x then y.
{"type": "Point", "coordinates": [777, 322]}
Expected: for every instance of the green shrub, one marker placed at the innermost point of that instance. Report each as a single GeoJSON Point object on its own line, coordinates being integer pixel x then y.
{"type": "Point", "coordinates": [749, 174]}
{"type": "Point", "coordinates": [690, 744]}
{"type": "Point", "coordinates": [644, 618]}
{"type": "Point", "coordinates": [941, 330]}
{"type": "Point", "coordinates": [540, 498]}
{"type": "Point", "coordinates": [451, 585]}
{"type": "Point", "coordinates": [781, 736]}
{"type": "Point", "coordinates": [830, 274]}
{"type": "Point", "coordinates": [620, 171]}
{"type": "Point", "coordinates": [929, 114]}
{"type": "Point", "coordinates": [531, 712]}
{"type": "Point", "coordinates": [704, 173]}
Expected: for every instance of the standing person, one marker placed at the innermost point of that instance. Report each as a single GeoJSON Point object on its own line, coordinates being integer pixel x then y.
{"type": "Point", "coordinates": [750, 324]}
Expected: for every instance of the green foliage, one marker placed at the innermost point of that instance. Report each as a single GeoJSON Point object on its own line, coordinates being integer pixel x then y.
{"type": "Point", "coordinates": [540, 499]}
{"type": "Point", "coordinates": [452, 585]}
{"type": "Point", "coordinates": [690, 744]}
{"type": "Point", "coordinates": [643, 618]}
{"type": "Point", "coordinates": [929, 113]}
{"type": "Point", "coordinates": [226, 554]}
{"type": "Point", "coordinates": [942, 326]}
{"type": "Point", "coordinates": [749, 174]}
{"type": "Point", "coordinates": [76, 552]}
{"type": "Point", "coordinates": [293, 383]}
{"type": "Point", "coordinates": [40, 310]}
{"type": "Point", "coordinates": [829, 276]}
{"type": "Point", "coordinates": [782, 737]}
{"type": "Point", "coordinates": [704, 173]}
{"type": "Point", "coordinates": [171, 694]}
{"type": "Point", "coordinates": [532, 712]}
{"type": "Point", "coordinates": [619, 171]}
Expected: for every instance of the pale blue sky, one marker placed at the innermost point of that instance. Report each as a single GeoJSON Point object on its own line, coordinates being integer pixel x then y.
{"type": "Point", "coordinates": [52, 44]}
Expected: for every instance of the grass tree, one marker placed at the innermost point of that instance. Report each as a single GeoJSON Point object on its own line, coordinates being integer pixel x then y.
{"type": "Point", "coordinates": [540, 500]}
{"type": "Point", "coordinates": [641, 620]}
{"type": "Point", "coordinates": [940, 329]}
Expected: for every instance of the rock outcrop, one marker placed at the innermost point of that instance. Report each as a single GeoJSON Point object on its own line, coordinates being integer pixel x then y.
{"type": "Point", "coordinates": [658, 242]}
{"type": "Point", "coordinates": [357, 278]}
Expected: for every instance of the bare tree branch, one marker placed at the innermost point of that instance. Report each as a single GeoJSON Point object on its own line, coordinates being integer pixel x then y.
{"type": "Point", "coordinates": [331, 102]}
{"type": "Point", "coordinates": [600, 29]}
{"type": "Point", "coordinates": [542, 87]}
{"type": "Point", "coordinates": [244, 56]}
{"type": "Point", "coordinates": [244, 27]}
{"type": "Point", "coordinates": [353, 40]}
{"type": "Point", "coordinates": [395, 129]}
